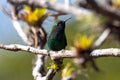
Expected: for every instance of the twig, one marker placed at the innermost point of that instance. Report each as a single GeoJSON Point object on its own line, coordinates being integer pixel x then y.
{"type": "Point", "coordinates": [102, 38]}
{"type": "Point", "coordinates": [103, 10]}
{"type": "Point", "coordinates": [16, 24]}
{"type": "Point", "coordinates": [5, 10]}
{"type": "Point", "coordinates": [20, 31]}
{"type": "Point", "coordinates": [49, 75]}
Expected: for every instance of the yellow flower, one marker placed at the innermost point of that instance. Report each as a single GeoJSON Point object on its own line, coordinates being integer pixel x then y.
{"type": "Point", "coordinates": [33, 16]}
{"type": "Point", "coordinates": [39, 12]}
{"type": "Point", "coordinates": [54, 66]}
{"type": "Point", "coordinates": [84, 42]}
{"type": "Point", "coordinates": [67, 71]}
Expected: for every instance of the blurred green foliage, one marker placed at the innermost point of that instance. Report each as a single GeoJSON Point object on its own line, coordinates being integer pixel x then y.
{"type": "Point", "coordinates": [15, 65]}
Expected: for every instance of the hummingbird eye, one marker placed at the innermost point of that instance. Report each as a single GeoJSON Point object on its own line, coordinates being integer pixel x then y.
{"type": "Point", "coordinates": [59, 23]}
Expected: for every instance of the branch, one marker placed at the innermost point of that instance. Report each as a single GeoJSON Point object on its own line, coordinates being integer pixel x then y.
{"type": "Point", "coordinates": [49, 75]}
{"type": "Point", "coordinates": [16, 24]}
{"type": "Point", "coordinates": [102, 38]}
{"type": "Point", "coordinates": [38, 69]}
{"type": "Point", "coordinates": [20, 31]}
{"type": "Point", "coordinates": [102, 9]}
{"type": "Point", "coordinates": [52, 54]}
{"type": "Point", "coordinates": [5, 10]}
{"type": "Point", "coordinates": [53, 6]}
{"type": "Point", "coordinates": [63, 53]}
{"type": "Point", "coordinates": [113, 52]}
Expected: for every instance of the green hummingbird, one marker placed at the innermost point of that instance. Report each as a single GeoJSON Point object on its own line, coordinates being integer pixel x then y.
{"type": "Point", "coordinates": [57, 39]}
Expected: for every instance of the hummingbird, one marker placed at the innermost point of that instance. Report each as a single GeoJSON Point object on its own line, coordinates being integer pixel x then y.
{"type": "Point", "coordinates": [57, 39]}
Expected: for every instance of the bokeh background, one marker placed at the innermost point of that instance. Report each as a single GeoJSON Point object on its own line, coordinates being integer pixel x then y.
{"type": "Point", "coordinates": [18, 65]}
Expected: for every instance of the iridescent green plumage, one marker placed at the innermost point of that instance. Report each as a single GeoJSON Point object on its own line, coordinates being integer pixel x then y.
{"type": "Point", "coordinates": [57, 38]}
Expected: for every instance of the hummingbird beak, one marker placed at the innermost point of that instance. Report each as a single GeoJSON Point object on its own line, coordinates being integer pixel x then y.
{"type": "Point", "coordinates": [67, 19]}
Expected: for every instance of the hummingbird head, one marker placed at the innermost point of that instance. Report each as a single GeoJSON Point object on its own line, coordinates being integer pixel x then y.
{"type": "Point", "coordinates": [62, 23]}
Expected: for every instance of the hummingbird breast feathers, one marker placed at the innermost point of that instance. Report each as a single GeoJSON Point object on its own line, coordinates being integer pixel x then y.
{"type": "Point", "coordinates": [57, 44]}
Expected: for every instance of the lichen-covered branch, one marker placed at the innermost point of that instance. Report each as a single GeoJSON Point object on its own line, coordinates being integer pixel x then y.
{"type": "Point", "coordinates": [52, 54]}
{"type": "Point", "coordinates": [113, 52]}
{"type": "Point", "coordinates": [61, 54]}
{"type": "Point", "coordinates": [38, 69]}
{"type": "Point", "coordinates": [49, 75]}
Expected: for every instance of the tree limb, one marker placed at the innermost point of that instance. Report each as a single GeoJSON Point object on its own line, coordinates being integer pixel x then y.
{"type": "Point", "coordinates": [52, 54]}
{"type": "Point", "coordinates": [115, 52]}
{"type": "Point", "coordinates": [52, 6]}
{"type": "Point", "coordinates": [16, 24]}
{"type": "Point", "coordinates": [101, 9]}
